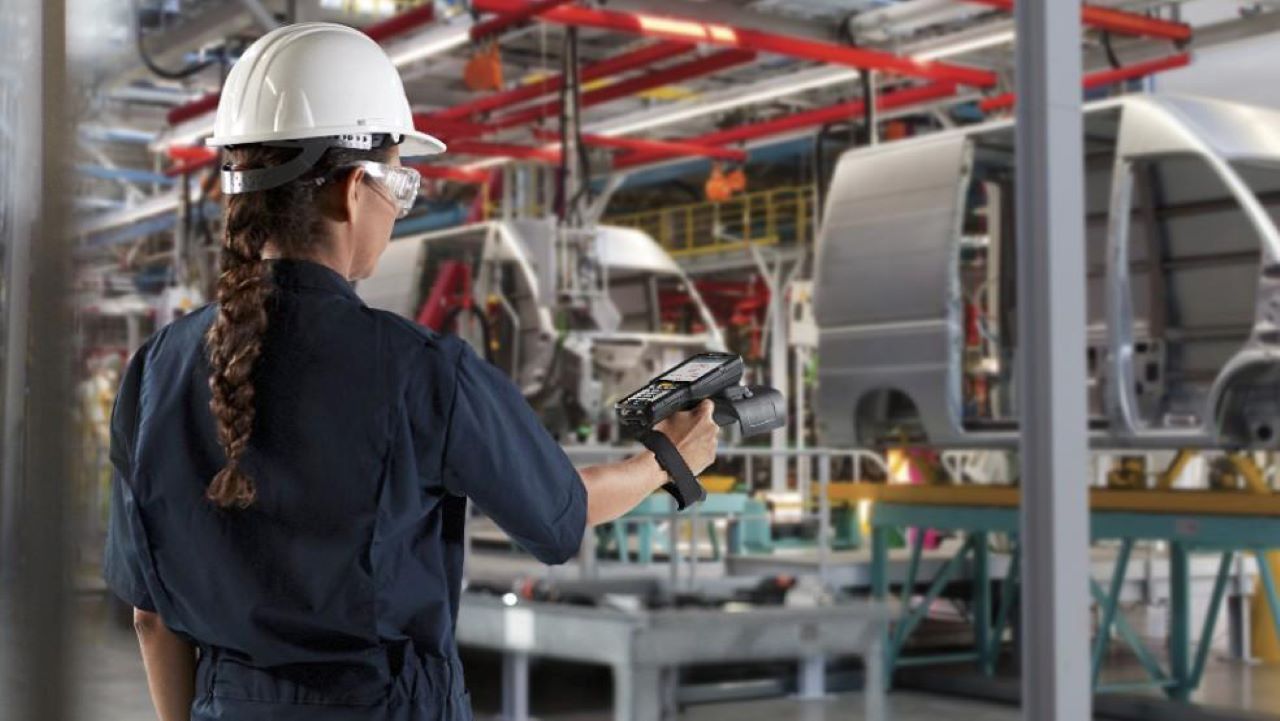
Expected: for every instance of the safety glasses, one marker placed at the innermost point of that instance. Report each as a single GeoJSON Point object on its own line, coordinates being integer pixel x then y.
{"type": "Point", "coordinates": [403, 183]}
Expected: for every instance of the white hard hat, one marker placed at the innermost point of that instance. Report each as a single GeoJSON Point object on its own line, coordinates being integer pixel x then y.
{"type": "Point", "coordinates": [314, 81]}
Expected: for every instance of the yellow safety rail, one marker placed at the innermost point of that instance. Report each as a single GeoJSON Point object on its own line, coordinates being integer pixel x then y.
{"type": "Point", "coordinates": [777, 216]}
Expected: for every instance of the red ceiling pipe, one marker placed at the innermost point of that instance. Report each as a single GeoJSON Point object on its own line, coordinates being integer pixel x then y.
{"type": "Point", "coordinates": [673, 28]}
{"type": "Point", "coordinates": [189, 153]}
{"type": "Point", "coordinates": [452, 172]}
{"type": "Point", "coordinates": [821, 116]}
{"type": "Point", "coordinates": [199, 106]}
{"type": "Point", "coordinates": [666, 147]}
{"type": "Point", "coordinates": [403, 22]}
{"type": "Point", "coordinates": [1117, 21]}
{"type": "Point", "coordinates": [1102, 78]}
{"type": "Point", "coordinates": [446, 129]}
{"type": "Point", "coordinates": [520, 152]}
{"type": "Point", "coordinates": [612, 66]}
{"type": "Point", "coordinates": [189, 167]}
{"type": "Point", "coordinates": [495, 26]}
{"type": "Point", "coordinates": [378, 31]}
{"type": "Point", "coordinates": [799, 121]}
{"type": "Point", "coordinates": [655, 79]}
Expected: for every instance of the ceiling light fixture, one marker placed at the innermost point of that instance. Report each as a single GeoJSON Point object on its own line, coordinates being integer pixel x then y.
{"type": "Point", "coordinates": [967, 45]}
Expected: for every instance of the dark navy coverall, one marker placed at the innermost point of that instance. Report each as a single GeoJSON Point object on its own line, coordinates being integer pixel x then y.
{"type": "Point", "coordinates": [334, 596]}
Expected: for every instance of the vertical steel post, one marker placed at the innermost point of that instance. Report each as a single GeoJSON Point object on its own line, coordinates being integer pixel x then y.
{"type": "Point", "coordinates": [1051, 362]}
{"type": "Point", "coordinates": [824, 515]}
{"type": "Point", "coordinates": [21, 166]}
{"type": "Point", "coordinates": [981, 596]}
{"type": "Point", "coordinates": [38, 600]}
{"type": "Point", "coordinates": [1179, 620]}
{"type": "Point", "coordinates": [778, 373]}
{"type": "Point", "coordinates": [880, 592]}
{"type": "Point", "coordinates": [515, 686]}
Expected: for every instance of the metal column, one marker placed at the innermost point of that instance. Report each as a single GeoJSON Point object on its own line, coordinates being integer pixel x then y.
{"type": "Point", "coordinates": [1051, 362]}
{"type": "Point", "coordinates": [777, 370]}
{"type": "Point", "coordinates": [515, 686]}
{"type": "Point", "coordinates": [35, 604]}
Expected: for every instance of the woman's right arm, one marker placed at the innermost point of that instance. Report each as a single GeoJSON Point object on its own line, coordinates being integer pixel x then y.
{"type": "Point", "coordinates": [615, 488]}
{"type": "Point", "coordinates": [498, 454]}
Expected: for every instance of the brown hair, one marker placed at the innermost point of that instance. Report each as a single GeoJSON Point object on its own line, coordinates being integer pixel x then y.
{"type": "Point", "coordinates": [289, 217]}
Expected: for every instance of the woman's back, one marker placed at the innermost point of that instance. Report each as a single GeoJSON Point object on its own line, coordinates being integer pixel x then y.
{"type": "Point", "coordinates": [337, 587]}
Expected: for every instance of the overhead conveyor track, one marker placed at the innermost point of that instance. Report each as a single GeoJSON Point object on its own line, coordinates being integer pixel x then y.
{"type": "Point", "coordinates": [1116, 21]}
{"type": "Point", "coordinates": [717, 34]}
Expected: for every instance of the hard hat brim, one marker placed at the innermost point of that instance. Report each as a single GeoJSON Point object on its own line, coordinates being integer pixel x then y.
{"type": "Point", "coordinates": [416, 143]}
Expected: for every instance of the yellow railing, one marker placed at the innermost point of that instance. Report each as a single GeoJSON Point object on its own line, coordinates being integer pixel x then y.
{"type": "Point", "coordinates": [776, 216]}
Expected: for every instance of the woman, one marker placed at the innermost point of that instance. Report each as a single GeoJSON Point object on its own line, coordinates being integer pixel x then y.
{"type": "Point", "coordinates": [292, 467]}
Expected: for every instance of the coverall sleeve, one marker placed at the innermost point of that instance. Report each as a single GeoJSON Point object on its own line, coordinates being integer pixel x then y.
{"type": "Point", "coordinates": [498, 454]}
{"type": "Point", "coordinates": [124, 565]}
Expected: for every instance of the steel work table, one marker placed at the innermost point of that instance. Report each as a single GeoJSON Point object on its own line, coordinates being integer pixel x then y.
{"type": "Point", "coordinates": [643, 648]}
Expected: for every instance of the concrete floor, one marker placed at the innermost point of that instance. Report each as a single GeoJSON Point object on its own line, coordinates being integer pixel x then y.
{"type": "Point", "coordinates": [112, 687]}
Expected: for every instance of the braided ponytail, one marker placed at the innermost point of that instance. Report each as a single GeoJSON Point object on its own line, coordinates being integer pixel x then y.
{"type": "Point", "coordinates": [288, 218]}
{"type": "Point", "coordinates": [235, 342]}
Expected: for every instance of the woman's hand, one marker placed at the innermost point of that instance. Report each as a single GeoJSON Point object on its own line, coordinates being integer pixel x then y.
{"type": "Point", "coordinates": [615, 488]}
{"type": "Point", "coordinates": [694, 434]}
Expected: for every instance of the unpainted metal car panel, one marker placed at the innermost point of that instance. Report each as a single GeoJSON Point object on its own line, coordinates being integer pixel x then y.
{"type": "Point", "coordinates": [1183, 291]}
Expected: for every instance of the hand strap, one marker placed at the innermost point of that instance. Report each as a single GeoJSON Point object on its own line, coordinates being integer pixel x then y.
{"type": "Point", "coordinates": [684, 486]}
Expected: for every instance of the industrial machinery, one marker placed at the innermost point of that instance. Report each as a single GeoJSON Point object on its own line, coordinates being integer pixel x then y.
{"type": "Point", "coordinates": [573, 353]}
{"type": "Point", "coordinates": [916, 289]}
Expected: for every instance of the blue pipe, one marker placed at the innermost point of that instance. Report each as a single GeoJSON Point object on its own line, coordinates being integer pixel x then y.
{"type": "Point", "coordinates": [117, 135]}
{"type": "Point", "coordinates": [133, 175]}
{"type": "Point", "coordinates": [156, 224]}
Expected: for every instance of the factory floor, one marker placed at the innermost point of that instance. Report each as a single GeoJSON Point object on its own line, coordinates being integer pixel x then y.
{"type": "Point", "coordinates": [111, 685]}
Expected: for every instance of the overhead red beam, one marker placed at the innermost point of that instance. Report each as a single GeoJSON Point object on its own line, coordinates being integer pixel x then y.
{"type": "Point", "coordinates": [508, 150]}
{"type": "Point", "coordinates": [199, 106]}
{"type": "Point", "coordinates": [669, 147]}
{"type": "Point", "coordinates": [453, 173]}
{"type": "Point", "coordinates": [1102, 78]}
{"type": "Point", "coordinates": [695, 31]}
{"type": "Point", "coordinates": [1116, 21]}
{"type": "Point", "coordinates": [379, 31]}
{"type": "Point", "coordinates": [631, 86]}
{"type": "Point", "coordinates": [800, 121]}
{"type": "Point", "coordinates": [189, 166]}
{"type": "Point", "coordinates": [499, 24]}
{"type": "Point", "coordinates": [612, 66]}
{"type": "Point", "coordinates": [397, 24]}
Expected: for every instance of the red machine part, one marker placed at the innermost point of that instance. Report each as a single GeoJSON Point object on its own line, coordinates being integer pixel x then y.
{"type": "Point", "coordinates": [733, 304]}
{"type": "Point", "coordinates": [451, 289]}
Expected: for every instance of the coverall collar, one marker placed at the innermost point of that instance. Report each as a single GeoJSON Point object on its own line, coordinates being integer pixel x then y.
{"type": "Point", "coordinates": [298, 273]}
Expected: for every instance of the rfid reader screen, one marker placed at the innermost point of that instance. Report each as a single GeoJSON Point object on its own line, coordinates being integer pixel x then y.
{"type": "Point", "coordinates": [690, 372]}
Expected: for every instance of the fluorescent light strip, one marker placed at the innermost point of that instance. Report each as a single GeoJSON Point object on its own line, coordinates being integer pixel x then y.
{"type": "Point", "coordinates": [433, 42]}
{"type": "Point", "coordinates": [966, 46]}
